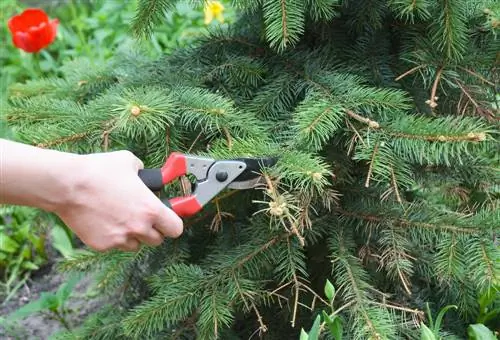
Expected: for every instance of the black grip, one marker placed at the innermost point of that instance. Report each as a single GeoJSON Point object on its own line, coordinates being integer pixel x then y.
{"type": "Point", "coordinates": [166, 201]}
{"type": "Point", "coordinates": [152, 178]}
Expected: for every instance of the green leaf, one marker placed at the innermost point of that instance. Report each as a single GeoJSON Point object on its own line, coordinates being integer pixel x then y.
{"type": "Point", "coordinates": [61, 241]}
{"type": "Point", "coordinates": [303, 335]}
{"type": "Point", "coordinates": [487, 298]}
{"type": "Point", "coordinates": [480, 332]}
{"type": "Point", "coordinates": [65, 289]}
{"type": "Point", "coordinates": [29, 265]}
{"type": "Point", "coordinates": [329, 290]}
{"type": "Point", "coordinates": [314, 332]}
{"type": "Point", "coordinates": [334, 325]}
{"type": "Point", "coordinates": [440, 316]}
{"type": "Point", "coordinates": [7, 244]}
{"type": "Point", "coordinates": [426, 333]}
{"type": "Point", "coordinates": [28, 309]}
{"type": "Point", "coordinates": [488, 316]}
{"type": "Point", "coordinates": [49, 301]}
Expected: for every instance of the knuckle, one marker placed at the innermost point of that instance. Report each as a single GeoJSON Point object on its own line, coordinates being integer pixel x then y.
{"type": "Point", "coordinates": [119, 241]}
{"type": "Point", "coordinates": [135, 229]}
{"type": "Point", "coordinates": [157, 241]}
{"type": "Point", "coordinates": [150, 211]}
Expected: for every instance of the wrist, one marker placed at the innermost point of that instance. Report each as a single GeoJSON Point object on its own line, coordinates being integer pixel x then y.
{"type": "Point", "coordinates": [64, 182]}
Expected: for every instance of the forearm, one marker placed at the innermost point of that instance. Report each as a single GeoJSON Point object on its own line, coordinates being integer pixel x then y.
{"type": "Point", "coordinates": [99, 196]}
{"type": "Point", "coordinates": [35, 177]}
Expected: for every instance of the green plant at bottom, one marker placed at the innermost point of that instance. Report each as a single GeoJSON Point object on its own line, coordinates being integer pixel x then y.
{"type": "Point", "coordinates": [432, 331]}
{"type": "Point", "coordinates": [26, 234]}
{"type": "Point", "coordinates": [52, 304]}
{"type": "Point", "coordinates": [480, 332]}
{"type": "Point", "coordinates": [22, 247]}
{"type": "Point", "coordinates": [489, 306]}
{"type": "Point", "coordinates": [331, 322]}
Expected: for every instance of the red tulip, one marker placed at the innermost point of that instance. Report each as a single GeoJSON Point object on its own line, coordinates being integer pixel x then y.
{"type": "Point", "coordinates": [32, 30]}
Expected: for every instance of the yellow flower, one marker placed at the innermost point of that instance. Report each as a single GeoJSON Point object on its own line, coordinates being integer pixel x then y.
{"type": "Point", "coordinates": [213, 9]}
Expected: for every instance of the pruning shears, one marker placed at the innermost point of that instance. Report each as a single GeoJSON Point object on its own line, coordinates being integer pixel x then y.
{"type": "Point", "coordinates": [212, 176]}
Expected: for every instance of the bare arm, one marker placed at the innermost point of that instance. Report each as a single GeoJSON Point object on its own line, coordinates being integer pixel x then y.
{"type": "Point", "coordinates": [99, 196]}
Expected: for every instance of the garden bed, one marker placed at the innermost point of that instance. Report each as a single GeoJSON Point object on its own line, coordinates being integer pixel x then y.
{"type": "Point", "coordinates": [81, 303]}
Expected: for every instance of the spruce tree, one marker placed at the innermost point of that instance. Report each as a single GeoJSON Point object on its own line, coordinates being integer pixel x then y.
{"type": "Point", "coordinates": [384, 116]}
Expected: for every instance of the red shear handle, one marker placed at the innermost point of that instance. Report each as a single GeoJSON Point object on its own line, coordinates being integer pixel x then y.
{"type": "Point", "coordinates": [184, 206]}
{"type": "Point", "coordinates": [175, 166]}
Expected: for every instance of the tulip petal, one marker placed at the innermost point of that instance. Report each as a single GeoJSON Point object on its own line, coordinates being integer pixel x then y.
{"type": "Point", "coordinates": [24, 42]}
{"type": "Point", "coordinates": [40, 36]}
{"type": "Point", "coordinates": [28, 18]}
{"type": "Point", "coordinates": [53, 30]}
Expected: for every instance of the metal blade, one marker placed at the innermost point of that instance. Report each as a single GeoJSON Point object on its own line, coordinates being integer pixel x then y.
{"type": "Point", "coordinates": [254, 167]}
{"type": "Point", "coordinates": [248, 184]}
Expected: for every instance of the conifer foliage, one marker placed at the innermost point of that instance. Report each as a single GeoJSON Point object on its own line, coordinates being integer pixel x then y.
{"type": "Point", "coordinates": [384, 115]}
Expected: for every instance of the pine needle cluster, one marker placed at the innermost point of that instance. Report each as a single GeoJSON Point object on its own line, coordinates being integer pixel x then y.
{"type": "Point", "coordinates": [384, 116]}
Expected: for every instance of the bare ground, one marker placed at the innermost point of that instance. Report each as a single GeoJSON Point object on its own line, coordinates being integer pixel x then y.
{"type": "Point", "coordinates": [40, 327]}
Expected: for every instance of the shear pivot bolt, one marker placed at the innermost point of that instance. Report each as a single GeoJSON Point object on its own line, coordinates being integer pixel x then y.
{"type": "Point", "coordinates": [221, 176]}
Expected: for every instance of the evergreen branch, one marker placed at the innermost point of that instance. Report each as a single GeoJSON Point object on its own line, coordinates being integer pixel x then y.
{"type": "Point", "coordinates": [370, 168]}
{"type": "Point", "coordinates": [369, 15]}
{"type": "Point", "coordinates": [394, 256]}
{"type": "Point", "coordinates": [351, 279]}
{"type": "Point", "coordinates": [262, 326]}
{"type": "Point", "coordinates": [257, 251]}
{"type": "Point", "coordinates": [50, 87]}
{"type": "Point", "coordinates": [303, 172]}
{"type": "Point", "coordinates": [410, 71]}
{"type": "Point", "coordinates": [240, 72]}
{"type": "Point", "coordinates": [248, 6]}
{"type": "Point", "coordinates": [395, 186]}
{"type": "Point", "coordinates": [92, 260]}
{"type": "Point", "coordinates": [275, 98]}
{"type": "Point", "coordinates": [384, 165]}
{"type": "Point", "coordinates": [432, 101]}
{"type": "Point", "coordinates": [322, 9]}
{"type": "Point", "coordinates": [483, 262]}
{"type": "Point", "coordinates": [371, 123]}
{"type": "Point", "coordinates": [411, 10]}
{"type": "Point", "coordinates": [215, 315]}
{"type": "Point", "coordinates": [316, 120]}
{"type": "Point", "coordinates": [149, 14]}
{"type": "Point", "coordinates": [182, 290]}
{"type": "Point", "coordinates": [449, 259]}
{"type": "Point", "coordinates": [480, 77]}
{"type": "Point", "coordinates": [436, 141]}
{"type": "Point", "coordinates": [449, 31]}
{"type": "Point", "coordinates": [483, 111]}
{"type": "Point", "coordinates": [408, 223]}
{"type": "Point", "coordinates": [101, 325]}
{"type": "Point", "coordinates": [350, 90]}
{"type": "Point", "coordinates": [62, 140]}
{"type": "Point", "coordinates": [290, 263]}
{"type": "Point", "coordinates": [469, 137]}
{"type": "Point", "coordinates": [142, 111]}
{"type": "Point", "coordinates": [284, 21]}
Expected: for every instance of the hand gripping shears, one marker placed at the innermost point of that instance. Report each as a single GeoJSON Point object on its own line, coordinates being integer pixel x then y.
{"type": "Point", "coordinates": [212, 176]}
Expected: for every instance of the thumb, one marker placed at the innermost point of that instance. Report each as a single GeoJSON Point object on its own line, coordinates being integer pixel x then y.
{"type": "Point", "coordinates": [168, 223]}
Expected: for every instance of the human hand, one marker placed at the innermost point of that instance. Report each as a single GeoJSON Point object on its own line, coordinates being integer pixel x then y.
{"type": "Point", "coordinates": [109, 207]}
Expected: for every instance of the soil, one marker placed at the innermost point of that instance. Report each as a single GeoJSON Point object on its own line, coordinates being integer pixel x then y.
{"type": "Point", "coordinates": [39, 326]}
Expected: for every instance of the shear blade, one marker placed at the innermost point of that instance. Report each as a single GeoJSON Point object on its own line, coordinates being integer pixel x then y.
{"type": "Point", "coordinates": [248, 184]}
{"type": "Point", "coordinates": [252, 175]}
